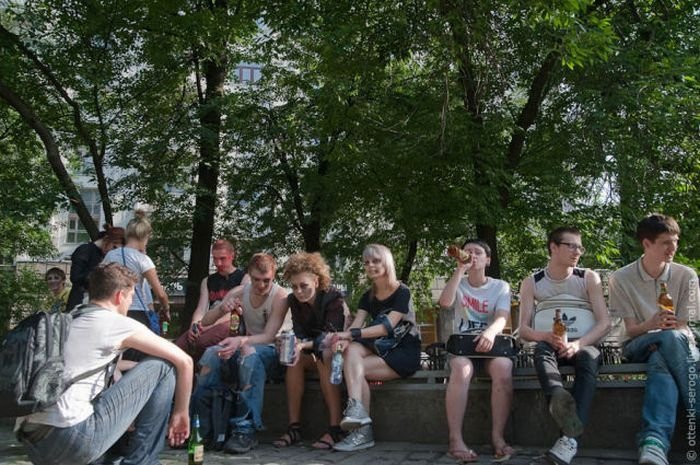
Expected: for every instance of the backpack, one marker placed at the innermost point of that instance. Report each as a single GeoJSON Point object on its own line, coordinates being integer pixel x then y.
{"type": "Point", "coordinates": [32, 365]}
{"type": "Point", "coordinates": [215, 407]}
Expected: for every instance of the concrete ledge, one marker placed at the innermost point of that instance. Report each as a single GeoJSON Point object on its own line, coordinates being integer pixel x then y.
{"type": "Point", "coordinates": [414, 410]}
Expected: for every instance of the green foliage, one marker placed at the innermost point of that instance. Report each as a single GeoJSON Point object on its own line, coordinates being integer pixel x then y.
{"type": "Point", "coordinates": [21, 294]}
{"type": "Point", "coordinates": [404, 123]}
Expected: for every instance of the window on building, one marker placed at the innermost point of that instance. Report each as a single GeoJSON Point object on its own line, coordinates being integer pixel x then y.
{"type": "Point", "coordinates": [76, 233]}
{"type": "Point", "coordinates": [249, 74]}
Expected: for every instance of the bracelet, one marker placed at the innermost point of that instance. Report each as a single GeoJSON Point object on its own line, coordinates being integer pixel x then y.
{"type": "Point", "coordinates": [355, 334]}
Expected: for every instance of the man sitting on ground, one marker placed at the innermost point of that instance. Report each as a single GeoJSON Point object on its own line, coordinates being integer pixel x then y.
{"type": "Point", "coordinates": [88, 419]}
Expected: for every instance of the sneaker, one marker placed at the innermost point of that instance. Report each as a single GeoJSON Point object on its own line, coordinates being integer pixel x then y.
{"type": "Point", "coordinates": [354, 416]}
{"type": "Point", "coordinates": [361, 438]}
{"type": "Point", "coordinates": [562, 407]}
{"type": "Point", "coordinates": [652, 451]}
{"type": "Point", "coordinates": [240, 443]}
{"type": "Point", "coordinates": [563, 451]}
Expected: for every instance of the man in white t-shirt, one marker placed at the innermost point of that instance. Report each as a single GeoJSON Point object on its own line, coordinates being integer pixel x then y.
{"type": "Point", "coordinates": [88, 419]}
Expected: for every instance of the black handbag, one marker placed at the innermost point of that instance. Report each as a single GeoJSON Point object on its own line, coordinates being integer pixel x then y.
{"type": "Point", "coordinates": [464, 344]}
{"type": "Point", "coordinates": [383, 345]}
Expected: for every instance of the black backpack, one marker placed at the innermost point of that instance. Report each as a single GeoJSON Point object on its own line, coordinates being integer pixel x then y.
{"type": "Point", "coordinates": [31, 362]}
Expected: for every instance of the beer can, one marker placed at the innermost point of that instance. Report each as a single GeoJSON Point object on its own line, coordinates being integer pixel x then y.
{"type": "Point", "coordinates": [288, 342]}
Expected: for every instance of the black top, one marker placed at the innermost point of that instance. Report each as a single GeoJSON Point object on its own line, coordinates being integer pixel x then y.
{"type": "Point", "coordinates": [327, 313]}
{"type": "Point", "coordinates": [399, 301]}
{"type": "Point", "coordinates": [218, 285]}
{"type": "Point", "coordinates": [84, 259]}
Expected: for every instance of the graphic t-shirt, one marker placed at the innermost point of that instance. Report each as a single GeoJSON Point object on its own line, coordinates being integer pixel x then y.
{"type": "Point", "coordinates": [475, 307]}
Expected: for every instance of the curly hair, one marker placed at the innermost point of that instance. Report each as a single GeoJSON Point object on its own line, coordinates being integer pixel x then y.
{"type": "Point", "coordinates": [304, 262]}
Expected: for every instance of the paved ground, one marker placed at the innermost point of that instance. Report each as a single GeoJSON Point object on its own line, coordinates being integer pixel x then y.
{"type": "Point", "coordinates": [387, 453]}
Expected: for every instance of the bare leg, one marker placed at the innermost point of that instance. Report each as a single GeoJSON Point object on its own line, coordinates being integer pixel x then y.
{"type": "Point", "coordinates": [456, 397]}
{"type": "Point", "coordinates": [331, 392]}
{"type": "Point", "coordinates": [294, 383]}
{"type": "Point", "coordinates": [501, 372]}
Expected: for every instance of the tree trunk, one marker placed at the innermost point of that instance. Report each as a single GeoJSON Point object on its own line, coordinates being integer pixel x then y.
{"type": "Point", "coordinates": [408, 263]}
{"type": "Point", "coordinates": [207, 184]}
{"type": "Point", "coordinates": [53, 156]}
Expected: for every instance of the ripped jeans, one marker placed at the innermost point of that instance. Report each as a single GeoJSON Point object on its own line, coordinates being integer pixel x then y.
{"type": "Point", "coordinates": [253, 370]}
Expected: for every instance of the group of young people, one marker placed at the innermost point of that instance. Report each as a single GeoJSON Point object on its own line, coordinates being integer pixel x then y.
{"type": "Point", "coordinates": [235, 329]}
{"type": "Point", "coordinates": [652, 335]}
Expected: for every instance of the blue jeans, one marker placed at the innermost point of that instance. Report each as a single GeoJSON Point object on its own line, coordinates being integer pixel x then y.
{"type": "Point", "coordinates": [668, 376]}
{"type": "Point", "coordinates": [143, 395]}
{"type": "Point", "coordinates": [253, 370]}
{"type": "Point", "coordinates": [586, 363]}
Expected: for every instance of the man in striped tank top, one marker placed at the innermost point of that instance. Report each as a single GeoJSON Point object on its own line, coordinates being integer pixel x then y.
{"type": "Point", "coordinates": [561, 277]}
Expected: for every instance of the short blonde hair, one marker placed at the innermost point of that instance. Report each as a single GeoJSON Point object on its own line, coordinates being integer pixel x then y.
{"type": "Point", "coordinates": [305, 262]}
{"type": "Point", "coordinates": [263, 262]}
{"type": "Point", "coordinates": [384, 254]}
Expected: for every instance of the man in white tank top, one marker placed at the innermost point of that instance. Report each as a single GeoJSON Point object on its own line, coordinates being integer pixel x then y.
{"type": "Point", "coordinates": [561, 276]}
{"type": "Point", "coordinates": [261, 306]}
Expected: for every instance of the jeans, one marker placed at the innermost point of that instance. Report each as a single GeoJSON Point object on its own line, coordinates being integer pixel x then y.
{"type": "Point", "coordinates": [252, 370]}
{"type": "Point", "coordinates": [668, 359]}
{"type": "Point", "coordinates": [143, 395]}
{"type": "Point", "coordinates": [586, 363]}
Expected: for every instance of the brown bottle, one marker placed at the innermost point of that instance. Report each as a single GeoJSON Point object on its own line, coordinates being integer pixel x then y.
{"type": "Point", "coordinates": [665, 301]}
{"type": "Point", "coordinates": [458, 253]}
{"type": "Point", "coordinates": [558, 327]}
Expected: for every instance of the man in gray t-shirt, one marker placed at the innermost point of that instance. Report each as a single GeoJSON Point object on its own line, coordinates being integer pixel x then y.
{"type": "Point", "coordinates": [656, 336]}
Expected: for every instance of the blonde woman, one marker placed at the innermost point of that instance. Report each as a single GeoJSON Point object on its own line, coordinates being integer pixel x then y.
{"type": "Point", "coordinates": [138, 233]}
{"type": "Point", "coordinates": [388, 303]}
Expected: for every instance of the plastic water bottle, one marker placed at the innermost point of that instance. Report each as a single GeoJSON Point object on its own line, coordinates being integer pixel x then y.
{"type": "Point", "coordinates": [337, 366]}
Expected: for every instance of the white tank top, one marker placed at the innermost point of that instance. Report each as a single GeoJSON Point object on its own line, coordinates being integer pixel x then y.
{"type": "Point", "coordinates": [574, 285]}
{"type": "Point", "coordinates": [254, 318]}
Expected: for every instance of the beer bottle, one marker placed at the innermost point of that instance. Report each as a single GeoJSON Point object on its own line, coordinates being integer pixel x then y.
{"type": "Point", "coordinates": [166, 328]}
{"type": "Point", "coordinates": [195, 448]}
{"type": "Point", "coordinates": [337, 365]}
{"type": "Point", "coordinates": [665, 301]}
{"type": "Point", "coordinates": [458, 253]}
{"type": "Point", "coordinates": [558, 327]}
{"type": "Point", "coordinates": [235, 324]}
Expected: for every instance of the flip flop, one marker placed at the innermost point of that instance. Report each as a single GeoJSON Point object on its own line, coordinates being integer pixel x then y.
{"type": "Point", "coordinates": [464, 456]}
{"type": "Point", "coordinates": [503, 454]}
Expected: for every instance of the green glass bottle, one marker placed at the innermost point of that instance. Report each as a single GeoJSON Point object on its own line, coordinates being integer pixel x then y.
{"type": "Point", "coordinates": [195, 448]}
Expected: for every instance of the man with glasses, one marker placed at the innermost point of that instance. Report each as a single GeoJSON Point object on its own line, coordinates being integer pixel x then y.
{"type": "Point", "coordinates": [657, 336]}
{"type": "Point", "coordinates": [560, 280]}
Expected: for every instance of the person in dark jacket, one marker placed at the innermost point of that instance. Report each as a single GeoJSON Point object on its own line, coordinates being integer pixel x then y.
{"type": "Point", "coordinates": [86, 257]}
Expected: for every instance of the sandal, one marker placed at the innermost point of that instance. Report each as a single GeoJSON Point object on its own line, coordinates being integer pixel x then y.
{"type": "Point", "coordinates": [464, 456]}
{"type": "Point", "coordinates": [502, 453]}
{"type": "Point", "coordinates": [334, 433]}
{"type": "Point", "coordinates": [291, 437]}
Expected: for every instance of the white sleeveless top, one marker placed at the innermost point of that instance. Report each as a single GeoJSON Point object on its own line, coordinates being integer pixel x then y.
{"type": "Point", "coordinates": [254, 318]}
{"type": "Point", "coordinates": [574, 285]}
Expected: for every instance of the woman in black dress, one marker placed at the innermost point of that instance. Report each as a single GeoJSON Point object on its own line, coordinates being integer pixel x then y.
{"type": "Point", "coordinates": [388, 303]}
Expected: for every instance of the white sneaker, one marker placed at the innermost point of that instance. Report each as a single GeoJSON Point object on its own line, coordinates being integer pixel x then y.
{"type": "Point", "coordinates": [359, 439]}
{"type": "Point", "coordinates": [652, 452]}
{"type": "Point", "coordinates": [355, 416]}
{"type": "Point", "coordinates": [563, 451]}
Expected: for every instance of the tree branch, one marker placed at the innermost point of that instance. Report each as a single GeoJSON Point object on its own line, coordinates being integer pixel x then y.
{"type": "Point", "coordinates": [53, 156]}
